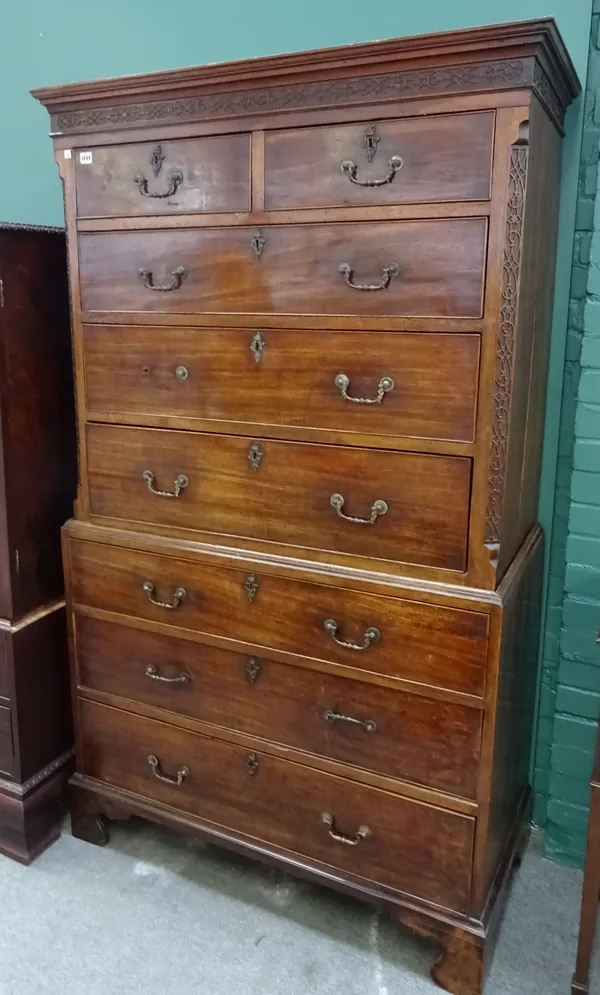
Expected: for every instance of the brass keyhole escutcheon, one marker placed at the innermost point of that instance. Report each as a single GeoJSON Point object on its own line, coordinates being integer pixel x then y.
{"type": "Point", "coordinates": [252, 669]}
{"type": "Point", "coordinates": [258, 243]}
{"type": "Point", "coordinates": [251, 587]}
{"type": "Point", "coordinates": [370, 142]}
{"type": "Point", "coordinates": [255, 455]}
{"type": "Point", "coordinates": [257, 346]}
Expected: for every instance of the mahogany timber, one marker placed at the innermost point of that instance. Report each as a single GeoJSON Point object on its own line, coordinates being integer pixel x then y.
{"type": "Point", "coordinates": [403, 736]}
{"type": "Point", "coordinates": [210, 174]}
{"type": "Point", "coordinates": [273, 378]}
{"type": "Point", "coordinates": [38, 478]}
{"type": "Point", "coordinates": [297, 272]}
{"type": "Point", "coordinates": [37, 468]}
{"type": "Point", "coordinates": [444, 648]}
{"type": "Point", "coordinates": [442, 159]}
{"type": "Point", "coordinates": [6, 746]}
{"type": "Point", "coordinates": [428, 170]}
{"type": "Point", "coordinates": [526, 346]}
{"type": "Point", "coordinates": [282, 803]}
{"type": "Point", "coordinates": [4, 669]}
{"type": "Point", "coordinates": [281, 492]}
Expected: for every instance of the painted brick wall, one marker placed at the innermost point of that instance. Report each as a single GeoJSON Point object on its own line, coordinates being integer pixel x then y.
{"type": "Point", "coordinates": [570, 688]}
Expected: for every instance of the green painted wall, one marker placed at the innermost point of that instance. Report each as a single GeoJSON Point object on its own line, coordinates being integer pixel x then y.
{"type": "Point", "coordinates": [570, 685]}
{"type": "Point", "coordinates": [43, 43]}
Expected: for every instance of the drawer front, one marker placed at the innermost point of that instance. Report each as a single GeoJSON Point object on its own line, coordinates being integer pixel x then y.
{"type": "Point", "coordinates": [427, 644]}
{"type": "Point", "coordinates": [391, 732]}
{"type": "Point", "coordinates": [445, 158]}
{"type": "Point", "coordinates": [410, 847]}
{"type": "Point", "coordinates": [200, 174]}
{"type": "Point", "coordinates": [282, 377]}
{"type": "Point", "coordinates": [422, 267]}
{"type": "Point", "coordinates": [6, 741]}
{"type": "Point", "coordinates": [415, 506]}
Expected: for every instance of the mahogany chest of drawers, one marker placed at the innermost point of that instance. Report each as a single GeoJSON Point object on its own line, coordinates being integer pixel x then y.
{"type": "Point", "coordinates": [312, 300]}
{"type": "Point", "coordinates": [38, 476]}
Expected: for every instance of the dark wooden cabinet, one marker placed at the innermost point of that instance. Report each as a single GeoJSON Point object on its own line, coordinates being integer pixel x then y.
{"type": "Point", "coordinates": [311, 299]}
{"type": "Point", "coordinates": [37, 485]}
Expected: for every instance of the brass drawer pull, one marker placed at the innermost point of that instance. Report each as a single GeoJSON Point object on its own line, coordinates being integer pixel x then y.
{"type": "Point", "coordinates": [386, 277]}
{"type": "Point", "coordinates": [180, 482]}
{"type": "Point", "coordinates": [342, 383]}
{"type": "Point", "coordinates": [377, 508]}
{"type": "Point", "coordinates": [178, 778]}
{"type": "Point", "coordinates": [152, 671]}
{"type": "Point", "coordinates": [367, 724]}
{"type": "Point", "coordinates": [175, 178]}
{"type": "Point", "coordinates": [372, 635]}
{"type": "Point", "coordinates": [361, 833]}
{"type": "Point", "coordinates": [177, 277]}
{"type": "Point", "coordinates": [179, 595]}
{"type": "Point", "coordinates": [350, 169]}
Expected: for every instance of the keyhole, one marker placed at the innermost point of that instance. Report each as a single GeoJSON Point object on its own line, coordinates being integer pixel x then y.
{"type": "Point", "coordinates": [145, 370]}
{"type": "Point", "coordinates": [370, 142]}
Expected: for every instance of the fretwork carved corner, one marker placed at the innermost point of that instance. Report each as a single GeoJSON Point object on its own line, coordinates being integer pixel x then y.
{"type": "Point", "coordinates": [505, 354]}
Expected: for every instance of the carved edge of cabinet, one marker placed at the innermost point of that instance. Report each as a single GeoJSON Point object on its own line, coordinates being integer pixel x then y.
{"type": "Point", "coordinates": [64, 760]}
{"type": "Point", "coordinates": [543, 88]}
{"type": "Point", "coordinates": [528, 54]}
{"type": "Point", "coordinates": [504, 74]}
{"type": "Point", "coordinates": [509, 303]}
{"type": "Point", "coordinates": [46, 771]}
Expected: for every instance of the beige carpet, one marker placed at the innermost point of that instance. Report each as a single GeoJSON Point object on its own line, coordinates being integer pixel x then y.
{"type": "Point", "coordinates": [157, 913]}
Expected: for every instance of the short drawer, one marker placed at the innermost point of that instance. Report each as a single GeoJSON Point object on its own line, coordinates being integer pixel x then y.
{"type": "Point", "coordinates": [391, 732]}
{"type": "Point", "coordinates": [431, 645]}
{"type": "Point", "coordinates": [406, 846]}
{"type": "Point", "coordinates": [419, 385]}
{"type": "Point", "coordinates": [432, 158]}
{"type": "Point", "coordinates": [419, 268]}
{"type": "Point", "coordinates": [199, 174]}
{"type": "Point", "coordinates": [411, 507]}
{"type": "Point", "coordinates": [6, 741]}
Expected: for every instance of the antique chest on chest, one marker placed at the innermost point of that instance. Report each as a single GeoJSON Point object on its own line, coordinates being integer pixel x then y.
{"type": "Point", "coordinates": [38, 477]}
{"type": "Point", "coordinates": [312, 299]}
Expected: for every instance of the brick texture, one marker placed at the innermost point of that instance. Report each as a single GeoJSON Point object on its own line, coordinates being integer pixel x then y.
{"type": "Point", "coordinates": [570, 688]}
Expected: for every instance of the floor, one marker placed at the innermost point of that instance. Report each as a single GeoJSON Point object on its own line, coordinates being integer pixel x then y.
{"type": "Point", "coordinates": [157, 913]}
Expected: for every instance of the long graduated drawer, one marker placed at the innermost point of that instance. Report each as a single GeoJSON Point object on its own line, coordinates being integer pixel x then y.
{"type": "Point", "coordinates": [377, 383]}
{"type": "Point", "coordinates": [408, 267]}
{"type": "Point", "coordinates": [392, 732]}
{"type": "Point", "coordinates": [402, 844]}
{"type": "Point", "coordinates": [408, 507]}
{"type": "Point", "coordinates": [426, 644]}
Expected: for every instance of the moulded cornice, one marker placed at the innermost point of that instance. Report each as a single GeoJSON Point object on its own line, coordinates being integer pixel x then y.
{"type": "Point", "coordinates": [525, 54]}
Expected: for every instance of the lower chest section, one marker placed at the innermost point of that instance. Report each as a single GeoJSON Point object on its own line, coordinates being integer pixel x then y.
{"type": "Point", "coordinates": [334, 724]}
